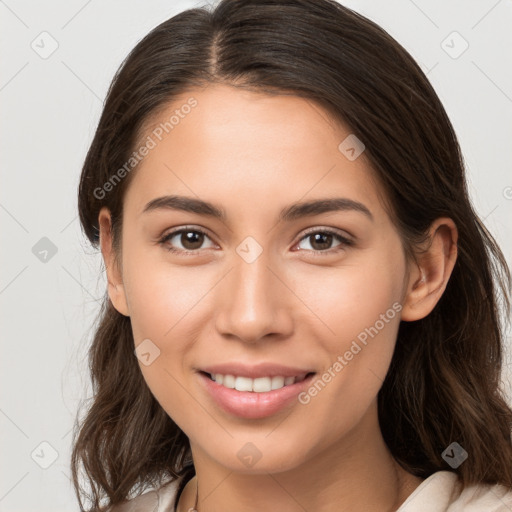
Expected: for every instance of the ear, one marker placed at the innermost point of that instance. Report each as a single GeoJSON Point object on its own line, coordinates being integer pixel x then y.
{"type": "Point", "coordinates": [116, 289]}
{"type": "Point", "coordinates": [429, 274]}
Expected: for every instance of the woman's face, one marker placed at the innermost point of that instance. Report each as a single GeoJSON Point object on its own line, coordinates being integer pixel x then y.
{"type": "Point", "coordinates": [261, 293]}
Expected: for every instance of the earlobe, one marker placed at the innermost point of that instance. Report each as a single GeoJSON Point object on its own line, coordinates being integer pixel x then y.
{"type": "Point", "coordinates": [116, 289]}
{"type": "Point", "coordinates": [430, 273]}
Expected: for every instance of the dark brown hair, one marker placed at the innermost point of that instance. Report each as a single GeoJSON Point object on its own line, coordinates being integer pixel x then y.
{"type": "Point", "coordinates": [443, 382]}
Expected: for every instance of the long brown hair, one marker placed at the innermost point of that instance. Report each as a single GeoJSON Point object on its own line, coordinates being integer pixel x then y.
{"type": "Point", "coordinates": [443, 384]}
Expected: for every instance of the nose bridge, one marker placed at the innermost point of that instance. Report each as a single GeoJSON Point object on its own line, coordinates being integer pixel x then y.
{"type": "Point", "coordinates": [253, 301]}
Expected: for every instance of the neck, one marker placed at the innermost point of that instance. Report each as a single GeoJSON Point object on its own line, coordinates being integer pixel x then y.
{"type": "Point", "coordinates": [354, 474]}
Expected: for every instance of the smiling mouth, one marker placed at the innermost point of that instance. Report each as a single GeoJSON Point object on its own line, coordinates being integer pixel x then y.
{"type": "Point", "coordinates": [257, 385]}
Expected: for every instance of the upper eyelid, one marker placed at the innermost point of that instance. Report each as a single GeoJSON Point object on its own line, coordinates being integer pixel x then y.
{"type": "Point", "coordinates": [336, 231]}
{"type": "Point", "coordinates": [177, 231]}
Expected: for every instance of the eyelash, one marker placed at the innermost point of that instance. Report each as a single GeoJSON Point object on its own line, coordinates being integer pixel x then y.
{"type": "Point", "coordinates": [344, 242]}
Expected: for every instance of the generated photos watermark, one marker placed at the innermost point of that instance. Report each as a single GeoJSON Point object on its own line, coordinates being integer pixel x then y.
{"type": "Point", "coordinates": [343, 360]}
{"type": "Point", "coordinates": [152, 140]}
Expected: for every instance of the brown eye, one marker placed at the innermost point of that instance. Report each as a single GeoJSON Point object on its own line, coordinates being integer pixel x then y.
{"type": "Point", "coordinates": [191, 239]}
{"type": "Point", "coordinates": [322, 241]}
{"type": "Point", "coordinates": [184, 240]}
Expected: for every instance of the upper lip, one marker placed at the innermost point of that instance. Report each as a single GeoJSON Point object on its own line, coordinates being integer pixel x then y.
{"type": "Point", "coordinates": [255, 371]}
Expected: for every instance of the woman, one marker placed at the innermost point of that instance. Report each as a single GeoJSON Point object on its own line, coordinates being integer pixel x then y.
{"type": "Point", "coordinates": [302, 308]}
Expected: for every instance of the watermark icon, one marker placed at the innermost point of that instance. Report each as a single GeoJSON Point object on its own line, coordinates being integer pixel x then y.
{"type": "Point", "coordinates": [150, 143]}
{"type": "Point", "coordinates": [249, 454]}
{"type": "Point", "coordinates": [507, 193]}
{"type": "Point", "coordinates": [454, 45]}
{"type": "Point", "coordinates": [44, 45]}
{"type": "Point", "coordinates": [454, 455]}
{"type": "Point", "coordinates": [44, 455]}
{"type": "Point", "coordinates": [147, 352]}
{"type": "Point", "coordinates": [44, 250]}
{"type": "Point", "coordinates": [343, 360]}
{"type": "Point", "coordinates": [351, 147]}
{"type": "Point", "coordinates": [249, 250]}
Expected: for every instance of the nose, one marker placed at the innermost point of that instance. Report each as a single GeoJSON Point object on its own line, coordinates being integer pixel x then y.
{"type": "Point", "coordinates": [254, 302]}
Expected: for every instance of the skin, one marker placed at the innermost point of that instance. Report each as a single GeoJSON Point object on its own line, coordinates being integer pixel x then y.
{"type": "Point", "coordinates": [253, 154]}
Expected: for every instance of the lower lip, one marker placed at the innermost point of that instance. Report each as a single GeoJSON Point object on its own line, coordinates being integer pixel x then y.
{"type": "Point", "coordinates": [248, 404]}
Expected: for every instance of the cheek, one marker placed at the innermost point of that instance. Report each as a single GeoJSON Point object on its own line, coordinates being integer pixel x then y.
{"type": "Point", "coordinates": [167, 306]}
{"type": "Point", "coordinates": [360, 308]}
{"type": "Point", "coordinates": [349, 299]}
{"type": "Point", "coordinates": [162, 298]}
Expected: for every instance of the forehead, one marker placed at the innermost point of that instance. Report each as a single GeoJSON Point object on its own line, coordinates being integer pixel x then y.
{"type": "Point", "coordinates": [214, 141]}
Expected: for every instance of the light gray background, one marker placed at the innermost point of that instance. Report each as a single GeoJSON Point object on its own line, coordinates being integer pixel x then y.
{"type": "Point", "coordinates": [50, 108]}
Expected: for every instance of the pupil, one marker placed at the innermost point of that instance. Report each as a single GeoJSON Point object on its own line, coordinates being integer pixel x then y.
{"type": "Point", "coordinates": [191, 240]}
{"type": "Point", "coordinates": [320, 236]}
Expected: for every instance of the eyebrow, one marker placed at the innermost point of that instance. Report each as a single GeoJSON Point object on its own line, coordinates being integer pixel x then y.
{"type": "Point", "coordinates": [292, 212]}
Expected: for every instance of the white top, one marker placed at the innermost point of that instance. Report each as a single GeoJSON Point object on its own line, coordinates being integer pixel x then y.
{"type": "Point", "coordinates": [440, 492]}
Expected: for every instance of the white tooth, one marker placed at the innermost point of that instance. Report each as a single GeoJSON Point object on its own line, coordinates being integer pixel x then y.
{"type": "Point", "coordinates": [262, 384]}
{"type": "Point", "coordinates": [243, 384]}
{"type": "Point", "coordinates": [228, 381]}
{"type": "Point", "coordinates": [277, 382]}
{"type": "Point", "coordinates": [259, 385]}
